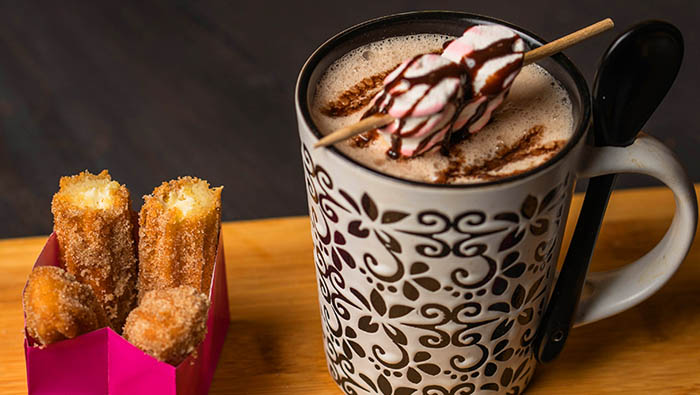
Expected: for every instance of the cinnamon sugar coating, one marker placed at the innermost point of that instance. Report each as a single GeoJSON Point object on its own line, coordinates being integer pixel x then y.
{"type": "Point", "coordinates": [169, 324]}
{"type": "Point", "coordinates": [58, 307]}
{"type": "Point", "coordinates": [95, 227]}
{"type": "Point", "coordinates": [178, 235]}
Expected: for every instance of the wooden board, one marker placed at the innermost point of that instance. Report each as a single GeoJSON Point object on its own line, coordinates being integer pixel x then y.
{"type": "Point", "coordinates": [274, 342]}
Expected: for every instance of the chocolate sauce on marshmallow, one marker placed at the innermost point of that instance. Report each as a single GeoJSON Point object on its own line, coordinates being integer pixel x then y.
{"type": "Point", "coordinates": [527, 129]}
{"type": "Point", "coordinates": [434, 97]}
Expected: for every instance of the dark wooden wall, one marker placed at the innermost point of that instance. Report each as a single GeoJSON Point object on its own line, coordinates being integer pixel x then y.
{"type": "Point", "coordinates": [154, 90]}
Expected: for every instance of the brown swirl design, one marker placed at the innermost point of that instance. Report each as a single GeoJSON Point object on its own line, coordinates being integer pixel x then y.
{"type": "Point", "coordinates": [389, 339]}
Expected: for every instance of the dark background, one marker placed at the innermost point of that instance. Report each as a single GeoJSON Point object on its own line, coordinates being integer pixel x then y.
{"type": "Point", "coordinates": [158, 90]}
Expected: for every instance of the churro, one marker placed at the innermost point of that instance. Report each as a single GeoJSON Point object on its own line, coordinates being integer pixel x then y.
{"type": "Point", "coordinates": [168, 324]}
{"type": "Point", "coordinates": [178, 235]}
{"type": "Point", "coordinates": [58, 307]}
{"type": "Point", "coordinates": [95, 228]}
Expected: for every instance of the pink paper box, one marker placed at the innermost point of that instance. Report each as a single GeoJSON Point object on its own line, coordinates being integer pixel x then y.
{"type": "Point", "coordinates": [102, 362]}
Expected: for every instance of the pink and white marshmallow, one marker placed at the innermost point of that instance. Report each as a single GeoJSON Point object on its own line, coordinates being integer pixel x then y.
{"type": "Point", "coordinates": [433, 95]}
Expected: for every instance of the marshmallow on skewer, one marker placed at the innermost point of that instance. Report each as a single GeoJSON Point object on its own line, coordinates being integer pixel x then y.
{"type": "Point", "coordinates": [433, 96]}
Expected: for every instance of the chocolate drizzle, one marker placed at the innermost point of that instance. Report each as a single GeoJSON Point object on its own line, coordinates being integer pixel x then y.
{"type": "Point", "coordinates": [395, 151]}
{"type": "Point", "coordinates": [364, 139]}
{"type": "Point", "coordinates": [432, 79]}
{"type": "Point", "coordinates": [527, 146]}
{"type": "Point", "coordinates": [500, 48]}
{"type": "Point", "coordinates": [466, 71]}
{"type": "Point", "coordinates": [356, 97]}
{"type": "Point", "coordinates": [359, 95]}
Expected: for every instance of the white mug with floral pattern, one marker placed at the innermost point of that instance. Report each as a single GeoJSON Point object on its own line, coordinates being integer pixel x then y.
{"type": "Point", "coordinates": [439, 289]}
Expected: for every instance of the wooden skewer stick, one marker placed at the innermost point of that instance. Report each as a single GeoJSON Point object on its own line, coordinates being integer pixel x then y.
{"type": "Point", "coordinates": [567, 41]}
{"type": "Point", "coordinates": [369, 123]}
{"type": "Point", "coordinates": [549, 49]}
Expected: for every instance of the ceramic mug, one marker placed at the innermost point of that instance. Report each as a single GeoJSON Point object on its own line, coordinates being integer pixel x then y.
{"type": "Point", "coordinates": [439, 289]}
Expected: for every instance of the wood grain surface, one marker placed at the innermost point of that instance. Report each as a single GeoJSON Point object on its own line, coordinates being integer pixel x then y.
{"type": "Point", "coordinates": [274, 341]}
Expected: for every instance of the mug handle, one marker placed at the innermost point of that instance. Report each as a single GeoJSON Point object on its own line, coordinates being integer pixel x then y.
{"type": "Point", "coordinates": [617, 290]}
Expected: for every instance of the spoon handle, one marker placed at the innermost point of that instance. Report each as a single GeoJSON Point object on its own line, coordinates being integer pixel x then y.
{"type": "Point", "coordinates": [559, 315]}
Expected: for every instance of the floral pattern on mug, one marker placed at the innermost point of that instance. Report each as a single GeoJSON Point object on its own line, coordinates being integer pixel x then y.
{"type": "Point", "coordinates": [432, 303]}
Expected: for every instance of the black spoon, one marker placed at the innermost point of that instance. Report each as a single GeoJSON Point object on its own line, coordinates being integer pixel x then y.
{"type": "Point", "coordinates": [634, 75]}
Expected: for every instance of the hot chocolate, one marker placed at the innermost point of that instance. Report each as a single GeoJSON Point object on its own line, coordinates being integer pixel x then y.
{"type": "Point", "coordinates": [534, 122]}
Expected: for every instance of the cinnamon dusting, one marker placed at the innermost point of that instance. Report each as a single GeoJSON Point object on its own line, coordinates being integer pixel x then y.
{"type": "Point", "coordinates": [526, 146]}
{"type": "Point", "coordinates": [359, 95]}
{"type": "Point", "coordinates": [356, 97]}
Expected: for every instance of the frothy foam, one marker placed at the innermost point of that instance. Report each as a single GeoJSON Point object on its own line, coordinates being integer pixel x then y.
{"type": "Point", "coordinates": [531, 125]}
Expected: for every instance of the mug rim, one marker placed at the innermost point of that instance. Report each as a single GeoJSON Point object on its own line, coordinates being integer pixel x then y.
{"type": "Point", "coordinates": [302, 87]}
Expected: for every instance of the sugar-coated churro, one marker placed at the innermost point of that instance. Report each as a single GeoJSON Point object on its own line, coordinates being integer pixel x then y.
{"type": "Point", "coordinates": [58, 307]}
{"type": "Point", "coordinates": [168, 324]}
{"type": "Point", "coordinates": [178, 235]}
{"type": "Point", "coordinates": [96, 235]}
